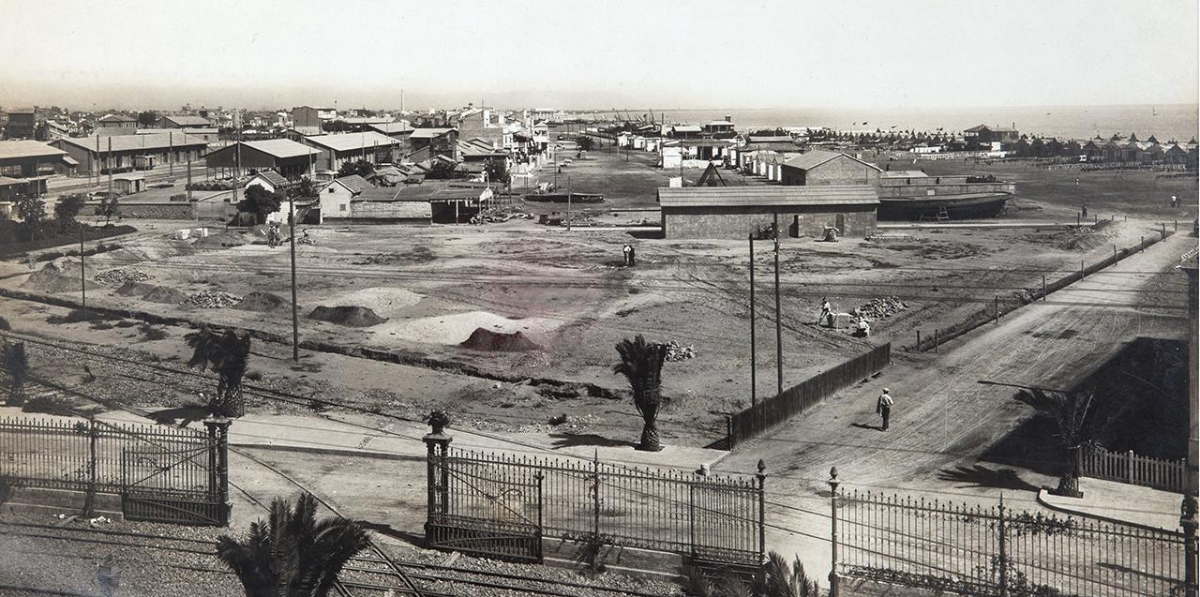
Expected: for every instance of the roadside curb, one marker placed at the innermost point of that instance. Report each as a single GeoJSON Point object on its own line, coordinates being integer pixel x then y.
{"type": "Point", "coordinates": [349, 452]}
{"type": "Point", "coordinates": [1041, 498]}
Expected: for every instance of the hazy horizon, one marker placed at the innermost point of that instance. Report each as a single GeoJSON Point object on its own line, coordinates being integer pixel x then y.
{"type": "Point", "coordinates": [129, 54]}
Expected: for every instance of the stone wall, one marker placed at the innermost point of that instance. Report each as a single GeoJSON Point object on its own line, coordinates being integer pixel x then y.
{"type": "Point", "coordinates": [738, 223]}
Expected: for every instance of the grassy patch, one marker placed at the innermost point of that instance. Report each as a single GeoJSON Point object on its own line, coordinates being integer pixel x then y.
{"type": "Point", "coordinates": [78, 315]}
{"type": "Point", "coordinates": [151, 333]}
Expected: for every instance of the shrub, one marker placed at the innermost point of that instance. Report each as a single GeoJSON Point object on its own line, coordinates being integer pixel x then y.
{"type": "Point", "coordinates": [151, 333]}
{"type": "Point", "coordinates": [78, 315]}
{"type": "Point", "coordinates": [49, 405]}
{"type": "Point", "coordinates": [254, 376]}
{"type": "Point", "coordinates": [4, 325]}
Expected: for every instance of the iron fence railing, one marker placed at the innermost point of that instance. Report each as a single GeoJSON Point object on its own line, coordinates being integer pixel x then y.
{"type": "Point", "coordinates": [498, 497]}
{"type": "Point", "coordinates": [78, 455]}
{"type": "Point", "coordinates": [757, 419]}
{"type": "Point", "coordinates": [993, 550]}
{"type": "Point", "coordinates": [1128, 467]}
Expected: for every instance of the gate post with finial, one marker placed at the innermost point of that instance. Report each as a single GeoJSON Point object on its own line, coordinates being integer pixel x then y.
{"type": "Point", "coordinates": [437, 446]}
{"type": "Point", "coordinates": [1187, 520]}
{"type": "Point", "coordinates": [761, 476]}
{"type": "Point", "coordinates": [833, 489]}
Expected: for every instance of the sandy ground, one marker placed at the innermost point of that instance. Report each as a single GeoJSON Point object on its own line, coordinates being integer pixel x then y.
{"type": "Point", "coordinates": [945, 422]}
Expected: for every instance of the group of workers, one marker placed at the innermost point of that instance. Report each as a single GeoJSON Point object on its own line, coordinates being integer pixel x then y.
{"type": "Point", "coordinates": [862, 327]}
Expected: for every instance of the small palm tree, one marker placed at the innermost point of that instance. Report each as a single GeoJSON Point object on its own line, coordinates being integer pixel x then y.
{"type": "Point", "coordinates": [291, 554]}
{"type": "Point", "coordinates": [16, 365]}
{"type": "Point", "coordinates": [641, 363]}
{"type": "Point", "coordinates": [782, 580]}
{"type": "Point", "coordinates": [227, 354]}
{"type": "Point", "coordinates": [1070, 411]}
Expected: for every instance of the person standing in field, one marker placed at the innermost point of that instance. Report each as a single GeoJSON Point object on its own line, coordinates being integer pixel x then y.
{"type": "Point", "coordinates": [884, 408]}
{"type": "Point", "coordinates": [628, 251]}
{"type": "Point", "coordinates": [825, 310]}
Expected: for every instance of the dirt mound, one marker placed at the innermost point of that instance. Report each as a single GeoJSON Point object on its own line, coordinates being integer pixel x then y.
{"type": "Point", "coordinates": [1086, 239]}
{"type": "Point", "coordinates": [53, 278]}
{"type": "Point", "coordinates": [221, 240]}
{"type": "Point", "coordinates": [165, 295]}
{"type": "Point", "coordinates": [263, 302]}
{"type": "Point", "coordinates": [213, 299]}
{"type": "Point", "coordinates": [132, 288]}
{"type": "Point", "coordinates": [350, 316]}
{"type": "Point", "coordinates": [488, 340]}
{"type": "Point", "coordinates": [878, 308]}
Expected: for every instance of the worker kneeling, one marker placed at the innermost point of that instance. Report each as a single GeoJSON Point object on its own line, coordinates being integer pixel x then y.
{"type": "Point", "coordinates": [862, 327]}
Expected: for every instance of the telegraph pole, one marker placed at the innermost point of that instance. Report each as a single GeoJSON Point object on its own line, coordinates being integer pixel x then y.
{"type": "Point", "coordinates": [82, 269]}
{"type": "Point", "coordinates": [295, 309]}
{"type": "Point", "coordinates": [778, 315]}
{"type": "Point", "coordinates": [753, 350]}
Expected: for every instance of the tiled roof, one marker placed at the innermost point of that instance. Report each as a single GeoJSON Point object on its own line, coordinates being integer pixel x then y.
{"type": "Point", "coordinates": [188, 120]}
{"type": "Point", "coordinates": [823, 195]}
{"type": "Point", "coordinates": [354, 182]}
{"type": "Point", "coordinates": [117, 118]}
{"type": "Point", "coordinates": [429, 133]}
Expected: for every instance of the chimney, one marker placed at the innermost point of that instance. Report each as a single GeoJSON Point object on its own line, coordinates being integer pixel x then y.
{"type": "Point", "coordinates": [728, 118]}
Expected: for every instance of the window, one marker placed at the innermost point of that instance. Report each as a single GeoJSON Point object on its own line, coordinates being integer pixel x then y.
{"type": "Point", "coordinates": [330, 189]}
{"type": "Point", "coordinates": [341, 207]}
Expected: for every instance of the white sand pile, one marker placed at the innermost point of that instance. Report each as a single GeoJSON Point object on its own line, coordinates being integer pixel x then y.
{"type": "Point", "coordinates": [455, 329]}
{"type": "Point", "coordinates": [386, 301]}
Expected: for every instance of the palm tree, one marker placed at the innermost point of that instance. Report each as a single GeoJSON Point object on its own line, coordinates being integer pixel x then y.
{"type": "Point", "coordinates": [292, 555]}
{"type": "Point", "coordinates": [226, 354]}
{"type": "Point", "coordinates": [1070, 411]}
{"type": "Point", "coordinates": [778, 580]}
{"type": "Point", "coordinates": [641, 363]}
{"type": "Point", "coordinates": [16, 365]}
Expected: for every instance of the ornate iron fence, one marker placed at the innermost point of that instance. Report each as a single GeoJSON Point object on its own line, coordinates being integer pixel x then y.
{"type": "Point", "coordinates": [163, 474]}
{"type": "Point", "coordinates": [795, 400]}
{"type": "Point", "coordinates": [1127, 467]}
{"type": "Point", "coordinates": [502, 506]}
{"type": "Point", "coordinates": [993, 550]}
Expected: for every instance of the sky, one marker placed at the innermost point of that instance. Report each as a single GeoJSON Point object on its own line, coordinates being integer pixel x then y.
{"type": "Point", "coordinates": [255, 54]}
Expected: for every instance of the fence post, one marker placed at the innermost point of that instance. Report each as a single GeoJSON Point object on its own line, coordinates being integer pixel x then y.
{"type": "Point", "coordinates": [1132, 464]}
{"type": "Point", "coordinates": [1003, 551]}
{"type": "Point", "coordinates": [1043, 288]}
{"type": "Point", "coordinates": [996, 299]}
{"type": "Point", "coordinates": [935, 340]}
{"type": "Point", "coordinates": [761, 476]}
{"type": "Point", "coordinates": [539, 476]}
{"type": "Point", "coordinates": [437, 448]}
{"type": "Point", "coordinates": [833, 488]}
{"type": "Point", "coordinates": [89, 502]}
{"type": "Point", "coordinates": [1082, 272]}
{"type": "Point", "coordinates": [1142, 245]}
{"type": "Point", "coordinates": [1187, 520]}
{"type": "Point", "coordinates": [918, 340]}
{"type": "Point", "coordinates": [218, 430]}
{"type": "Point", "coordinates": [596, 494]}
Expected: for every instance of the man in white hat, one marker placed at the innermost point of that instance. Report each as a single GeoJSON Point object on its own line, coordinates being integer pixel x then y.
{"type": "Point", "coordinates": [884, 408]}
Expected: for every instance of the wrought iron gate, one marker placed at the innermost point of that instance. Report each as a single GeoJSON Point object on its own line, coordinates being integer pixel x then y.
{"type": "Point", "coordinates": [181, 482]}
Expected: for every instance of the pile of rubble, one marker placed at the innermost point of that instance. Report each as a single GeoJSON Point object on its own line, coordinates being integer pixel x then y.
{"type": "Point", "coordinates": [121, 276]}
{"type": "Point", "coordinates": [497, 215]}
{"type": "Point", "coordinates": [879, 308]}
{"type": "Point", "coordinates": [679, 352]}
{"type": "Point", "coordinates": [213, 299]}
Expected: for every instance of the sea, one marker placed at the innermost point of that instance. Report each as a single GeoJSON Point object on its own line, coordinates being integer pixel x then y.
{"type": "Point", "coordinates": [1165, 122]}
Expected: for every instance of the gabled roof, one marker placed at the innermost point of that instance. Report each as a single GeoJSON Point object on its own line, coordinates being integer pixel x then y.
{"type": "Point", "coordinates": [352, 141]}
{"type": "Point", "coordinates": [816, 157]}
{"type": "Point", "coordinates": [686, 128]}
{"type": "Point", "coordinates": [423, 133]}
{"type": "Point", "coordinates": [354, 182]}
{"type": "Point", "coordinates": [27, 149]}
{"type": "Point", "coordinates": [815, 196]}
{"type": "Point", "coordinates": [388, 128]}
{"type": "Point", "coordinates": [280, 148]}
{"type": "Point", "coordinates": [198, 121]}
{"type": "Point", "coordinates": [135, 142]}
{"type": "Point", "coordinates": [117, 118]}
{"type": "Point", "coordinates": [274, 178]}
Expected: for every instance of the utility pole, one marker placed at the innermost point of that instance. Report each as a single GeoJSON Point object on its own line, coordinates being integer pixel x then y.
{"type": "Point", "coordinates": [568, 203]}
{"type": "Point", "coordinates": [110, 168]}
{"type": "Point", "coordinates": [778, 315]}
{"type": "Point", "coordinates": [295, 309]}
{"type": "Point", "coordinates": [753, 344]}
{"type": "Point", "coordinates": [82, 269]}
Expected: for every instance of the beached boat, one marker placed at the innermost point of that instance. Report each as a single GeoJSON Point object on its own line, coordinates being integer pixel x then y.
{"type": "Point", "coordinates": [964, 206]}
{"type": "Point", "coordinates": [562, 197]}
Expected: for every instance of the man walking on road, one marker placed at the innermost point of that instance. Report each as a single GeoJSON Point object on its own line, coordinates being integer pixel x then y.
{"type": "Point", "coordinates": [884, 408]}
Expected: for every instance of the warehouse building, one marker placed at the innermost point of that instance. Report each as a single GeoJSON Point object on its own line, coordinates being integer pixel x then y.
{"type": "Point", "coordinates": [819, 167]}
{"type": "Point", "coordinates": [23, 159]}
{"type": "Point", "coordinates": [289, 158]}
{"type": "Point", "coordinates": [338, 149]}
{"type": "Point", "coordinates": [124, 153]}
{"type": "Point", "coordinates": [739, 212]}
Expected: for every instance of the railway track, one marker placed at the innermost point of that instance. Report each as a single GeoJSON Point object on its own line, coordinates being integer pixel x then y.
{"type": "Point", "coordinates": [372, 573]}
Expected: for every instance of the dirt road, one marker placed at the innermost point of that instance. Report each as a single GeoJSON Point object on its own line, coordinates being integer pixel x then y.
{"type": "Point", "coordinates": [944, 420]}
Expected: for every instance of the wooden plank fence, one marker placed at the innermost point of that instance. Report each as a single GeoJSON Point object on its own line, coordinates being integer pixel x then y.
{"type": "Point", "coordinates": [1128, 467]}
{"type": "Point", "coordinates": [755, 420]}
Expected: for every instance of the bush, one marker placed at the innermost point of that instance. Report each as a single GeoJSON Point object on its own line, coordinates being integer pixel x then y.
{"type": "Point", "coordinates": [254, 376]}
{"type": "Point", "coordinates": [151, 333]}
{"type": "Point", "coordinates": [4, 325]}
{"type": "Point", "coordinates": [50, 405]}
